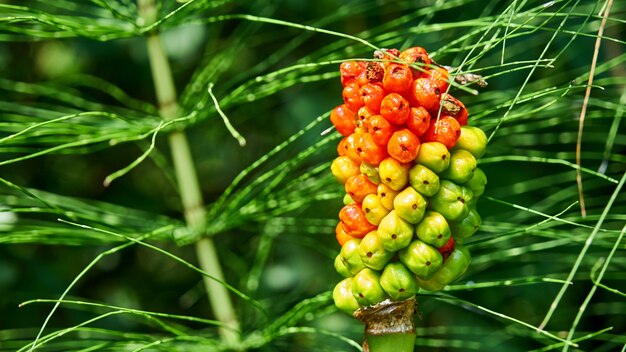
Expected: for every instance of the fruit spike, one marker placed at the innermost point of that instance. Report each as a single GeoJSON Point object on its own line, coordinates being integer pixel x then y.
{"type": "Point", "coordinates": [408, 162]}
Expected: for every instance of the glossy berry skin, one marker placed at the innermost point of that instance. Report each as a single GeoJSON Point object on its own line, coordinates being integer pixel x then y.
{"type": "Point", "coordinates": [342, 295]}
{"type": "Point", "coordinates": [343, 168]}
{"type": "Point", "coordinates": [403, 145]}
{"type": "Point", "coordinates": [343, 119]}
{"type": "Point", "coordinates": [352, 96]}
{"type": "Point", "coordinates": [398, 281]}
{"type": "Point", "coordinates": [447, 248]}
{"type": "Point", "coordinates": [353, 72]}
{"type": "Point", "coordinates": [341, 235]}
{"type": "Point", "coordinates": [359, 186]}
{"type": "Point", "coordinates": [354, 220]}
{"type": "Point", "coordinates": [397, 78]}
{"type": "Point", "coordinates": [374, 209]}
{"type": "Point", "coordinates": [350, 145]}
{"type": "Point", "coordinates": [380, 129]}
{"type": "Point", "coordinates": [373, 255]}
{"type": "Point", "coordinates": [419, 121]}
{"type": "Point", "coordinates": [439, 76]}
{"type": "Point", "coordinates": [373, 94]}
{"type": "Point", "coordinates": [456, 264]}
{"type": "Point", "coordinates": [363, 117]}
{"type": "Point", "coordinates": [426, 93]}
{"type": "Point", "coordinates": [395, 108]}
{"type": "Point", "coordinates": [393, 173]}
{"type": "Point", "coordinates": [369, 151]}
{"type": "Point", "coordinates": [446, 131]}
{"type": "Point", "coordinates": [418, 57]}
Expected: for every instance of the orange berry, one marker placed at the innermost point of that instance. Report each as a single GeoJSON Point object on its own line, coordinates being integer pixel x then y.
{"type": "Point", "coordinates": [373, 94]}
{"type": "Point", "coordinates": [358, 186]}
{"type": "Point", "coordinates": [418, 121]}
{"type": "Point", "coordinates": [369, 150]}
{"type": "Point", "coordinates": [352, 96]}
{"type": "Point", "coordinates": [343, 168]}
{"type": "Point", "coordinates": [403, 146]}
{"type": "Point", "coordinates": [341, 235]}
{"type": "Point", "coordinates": [363, 117]}
{"type": "Point", "coordinates": [395, 109]}
{"type": "Point", "coordinates": [440, 76]}
{"type": "Point", "coordinates": [354, 221]}
{"type": "Point", "coordinates": [418, 57]}
{"type": "Point", "coordinates": [397, 78]}
{"type": "Point", "coordinates": [353, 71]}
{"type": "Point", "coordinates": [381, 130]}
{"type": "Point", "coordinates": [351, 142]}
{"type": "Point", "coordinates": [445, 131]}
{"type": "Point", "coordinates": [343, 119]}
{"type": "Point", "coordinates": [425, 93]}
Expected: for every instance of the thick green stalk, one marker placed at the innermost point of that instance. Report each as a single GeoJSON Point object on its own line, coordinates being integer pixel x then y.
{"type": "Point", "coordinates": [389, 326]}
{"type": "Point", "coordinates": [187, 180]}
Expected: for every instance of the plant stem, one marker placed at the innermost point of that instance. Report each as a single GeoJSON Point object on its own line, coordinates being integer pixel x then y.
{"type": "Point", "coordinates": [189, 188]}
{"type": "Point", "coordinates": [389, 326]}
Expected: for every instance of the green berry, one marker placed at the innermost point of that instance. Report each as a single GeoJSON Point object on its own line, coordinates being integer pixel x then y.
{"type": "Point", "coordinates": [342, 295]}
{"type": "Point", "coordinates": [433, 229]}
{"type": "Point", "coordinates": [466, 227]}
{"type": "Point", "coordinates": [350, 256]}
{"type": "Point", "coordinates": [472, 139]}
{"type": "Point", "coordinates": [398, 281]}
{"type": "Point", "coordinates": [424, 180]}
{"type": "Point", "coordinates": [422, 259]}
{"type": "Point", "coordinates": [410, 205]}
{"type": "Point", "coordinates": [477, 183]}
{"type": "Point", "coordinates": [452, 269]}
{"type": "Point", "coordinates": [393, 173]}
{"type": "Point", "coordinates": [395, 233]}
{"type": "Point", "coordinates": [452, 200]}
{"type": "Point", "coordinates": [462, 166]}
{"type": "Point", "coordinates": [433, 155]}
{"type": "Point", "coordinates": [366, 287]}
{"type": "Point", "coordinates": [341, 267]}
{"type": "Point", "coordinates": [371, 171]}
{"type": "Point", "coordinates": [347, 199]}
{"type": "Point", "coordinates": [373, 209]}
{"type": "Point", "coordinates": [372, 253]}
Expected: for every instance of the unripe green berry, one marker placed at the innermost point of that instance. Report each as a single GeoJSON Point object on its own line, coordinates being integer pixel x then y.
{"type": "Point", "coordinates": [395, 233]}
{"type": "Point", "coordinates": [341, 267]}
{"type": "Point", "coordinates": [462, 166]}
{"type": "Point", "coordinates": [433, 155]}
{"type": "Point", "coordinates": [472, 139]}
{"type": "Point", "coordinates": [452, 200]}
{"type": "Point", "coordinates": [350, 256]}
{"type": "Point", "coordinates": [433, 229]}
{"type": "Point", "coordinates": [410, 205]}
{"type": "Point", "coordinates": [398, 281]}
{"type": "Point", "coordinates": [347, 199]}
{"type": "Point", "coordinates": [372, 253]}
{"type": "Point", "coordinates": [424, 180]}
{"type": "Point", "coordinates": [393, 173]}
{"type": "Point", "coordinates": [366, 287]}
{"type": "Point", "coordinates": [370, 171]}
{"type": "Point", "coordinates": [373, 209]}
{"type": "Point", "coordinates": [342, 295]}
{"type": "Point", "coordinates": [456, 264]}
{"type": "Point", "coordinates": [477, 183]}
{"type": "Point", "coordinates": [466, 227]}
{"type": "Point", "coordinates": [422, 259]}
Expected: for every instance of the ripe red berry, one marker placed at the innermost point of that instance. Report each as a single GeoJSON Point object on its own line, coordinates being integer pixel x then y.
{"type": "Point", "coordinates": [344, 119]}
{"type": "Point", "coordinates": [352, 96]}
{"type": "Point", "coordinates": [380, 129]}
{"type": "Point", "coordinates": [416, 55]}
{"type": "Point", "coordinates": [351, 142]}
{"type": "Point", "coordinates": [403, 146]}
{"type": "Point", "coordinates": [425, 93]}
{"type": "Point", "coordinates": [369, 150]}
{"type": "Point", "coordinates": [397, 78]}
{"type": "Point", "coordinates": [419, 121]}
{"type": "Point", "coordinates": [341, 235]}
{"type": "Point", "coordinates": [359, 186]}
{"type": "Point", "coordinates": [447, 248]}
{"type": "Point", "coordinates": [373, 94]}
{"type": "Point", "coordinates": [395, 108]}
{"type": "Point", "coordinates": [445, 131]}
{"type": "Point", "coordinates": [353, 71]}
{"type": "Point", "coordinates": [363, 117]}
{"type": "Point", "coordinates": [439, 76]}
{"type": "Point", "coordinates": [354, 221]}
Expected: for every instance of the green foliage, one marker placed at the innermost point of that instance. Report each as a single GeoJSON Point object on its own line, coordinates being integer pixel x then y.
{"type": "Point", "coordinates": [93, 241]}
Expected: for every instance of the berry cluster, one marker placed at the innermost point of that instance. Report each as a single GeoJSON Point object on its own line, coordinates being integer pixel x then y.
{"type": "Point", "coordinates": [408, 163]}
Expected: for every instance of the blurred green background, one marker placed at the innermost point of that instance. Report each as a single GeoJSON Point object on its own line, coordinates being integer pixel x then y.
{"type": "Point", "coordinates": [284, 257]}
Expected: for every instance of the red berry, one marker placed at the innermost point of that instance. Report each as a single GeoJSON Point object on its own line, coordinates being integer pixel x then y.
{"type": "Point", "coordinates": [363, 117]}
{"type": "Point", "coordinates": [452, 106]}
{"type": "Point", "coordinates": [380, 129]}
{"type": "Point", "coordinates": [342, 147]}
{"type": "Point", "coordinates": [447, 248]}
{"type": "Point", "coordinates": [369, 150]}
{"type": "Point", "coordinates": [354, 221]}
{"type": "Point", "coordinates": [397, 78]}
{"type": "Point", "coordinates": [352, 96]}
{"type": "Point", "coordinates": [351, 143]}
{"type": "Point", "coordinates": [341, 235]}
{"type": "Point", "coordinates": [403, 146]}
{"type": "Point", "coordinates": [395, 108]}
{"type": "Point", "coordinates": [439, 76]}
{"type": "Point", "coordinates": [373, 94]}
{"type": "Point", "coordinates": [416, 55]}
{"type": "Point", "coordinates": [353, 71]}
{"type": "Point", "coordinates": [425, 93]}
{"type": "Point", "coordinates": [344, 119]}
{"type": "Point", "coordinates": [445, 131]}
{"type": "Point", "coordinates": [418, 121]}
{"type": "Point", "coordinates": [359, 186]}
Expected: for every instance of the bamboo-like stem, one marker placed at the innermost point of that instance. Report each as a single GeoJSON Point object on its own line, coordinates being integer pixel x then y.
{"type": "Point", "coordinates": [389, 326]}
{"type": "Point", "coordinates": [187, 180]}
